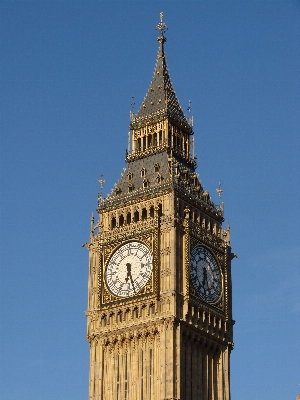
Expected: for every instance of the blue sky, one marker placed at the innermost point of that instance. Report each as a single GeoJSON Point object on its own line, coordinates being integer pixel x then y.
{"type": "Point", "coordinates": [68, 71]}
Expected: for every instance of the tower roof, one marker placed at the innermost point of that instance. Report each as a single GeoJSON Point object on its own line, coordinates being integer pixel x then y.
{"type": "Point", "coordinates": [160, 99]}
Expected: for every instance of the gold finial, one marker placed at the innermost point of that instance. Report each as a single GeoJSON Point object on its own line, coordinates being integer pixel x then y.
{"type": "Point", "coordinates": [161, 27]}
{"type": "Point", "coordinates": [132, 109]}
{"type": "Point", "coordinates": [219, 190]}
{"type": "Point", "coordinates": [190, 118]}
{"type": "Point", "coordinates": [101, 182]}
{"type": "Point", "coordinates": [189, 108]}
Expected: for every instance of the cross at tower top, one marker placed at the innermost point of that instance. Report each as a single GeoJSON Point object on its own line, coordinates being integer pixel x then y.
{"type": "Point", "coordinates": [161, 27]}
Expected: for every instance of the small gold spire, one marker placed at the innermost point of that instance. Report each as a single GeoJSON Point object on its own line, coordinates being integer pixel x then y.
{"type": "Point", "coordinates": [132, 109]}
{"type": "Point", "coordinates": [161, 27]}
{"type": "Point", "coordinates": [101, 182]}
{"type": "Point", "coordinates": [219, 191]}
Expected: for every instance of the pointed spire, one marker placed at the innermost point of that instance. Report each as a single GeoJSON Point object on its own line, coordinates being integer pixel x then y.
{"type": "Point", "coordinates": [161, 100]}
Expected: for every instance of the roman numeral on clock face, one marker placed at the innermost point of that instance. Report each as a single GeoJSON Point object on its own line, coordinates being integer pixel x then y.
{"type": "Point", "coordinates": [205, 274]}
{"type": "Point", "coordinates": [129, 269]}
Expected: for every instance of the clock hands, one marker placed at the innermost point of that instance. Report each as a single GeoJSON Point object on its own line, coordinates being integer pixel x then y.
{"type": "Point", "coordinates": [205, 274]}
{"type": "Point", "coordinates": [129, 276]}
{"type": "Point", "coordinates": [204, 280]}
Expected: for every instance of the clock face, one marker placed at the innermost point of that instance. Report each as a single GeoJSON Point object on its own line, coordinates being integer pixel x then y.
{"type": "Point", "coordinates": [205, 274]}
{"type": "Point", "coordinates": [128, 269]}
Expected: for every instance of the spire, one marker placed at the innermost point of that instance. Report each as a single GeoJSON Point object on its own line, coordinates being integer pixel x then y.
{"type": "Point", "coordinates": [161, 100]}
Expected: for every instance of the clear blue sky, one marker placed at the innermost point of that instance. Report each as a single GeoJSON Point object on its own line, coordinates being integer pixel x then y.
{"type": "Point", "coordinates": [68, 71]}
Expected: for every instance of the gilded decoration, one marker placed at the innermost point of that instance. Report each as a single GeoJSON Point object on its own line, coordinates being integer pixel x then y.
{"type": "Point", "coordinates": [141, 332]}
{"type": "Point", "coordinates": [187, 254]}
{"type": "Point", "coordinates": [165, 251]}
{"type": "Point", "coordinates": [220, 256]}
{"type": "Point", "coordinates": [226, 294]}
{"type": "Point", "coordinates": [150, 240]}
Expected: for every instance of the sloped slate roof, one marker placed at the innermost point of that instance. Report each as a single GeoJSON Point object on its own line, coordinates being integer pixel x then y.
{"type": "Point", "coordinates": [161, 97]}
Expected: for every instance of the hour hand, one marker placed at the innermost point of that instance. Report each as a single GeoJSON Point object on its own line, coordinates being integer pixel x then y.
{"type": "Point", "coordinates": [128, 272]}
{"type": "Point", "coordinates": [129, 275]}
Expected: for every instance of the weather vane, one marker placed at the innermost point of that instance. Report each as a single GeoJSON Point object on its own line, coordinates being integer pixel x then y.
{"type": "Point", "coordinates": [162, 27]}
{"type": "Point", "coordinates": [101, 182]}
{"type": "Point", "coordinates": [219, 191]}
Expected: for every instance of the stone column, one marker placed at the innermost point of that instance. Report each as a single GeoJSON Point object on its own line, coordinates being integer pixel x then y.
{"type": "Point", "coordinates": [188, 369]}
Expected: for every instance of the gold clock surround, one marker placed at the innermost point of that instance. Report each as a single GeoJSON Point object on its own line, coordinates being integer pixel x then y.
{"type": "Point", "coordinates": [105, 253]}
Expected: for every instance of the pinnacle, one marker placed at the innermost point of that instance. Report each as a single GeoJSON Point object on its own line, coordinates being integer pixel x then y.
{"type": "Point", "coordinates": [160, 98]}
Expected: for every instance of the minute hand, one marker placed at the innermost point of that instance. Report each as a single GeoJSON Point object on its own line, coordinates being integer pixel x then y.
{"type": "Point", "coordinates": [132, 282]}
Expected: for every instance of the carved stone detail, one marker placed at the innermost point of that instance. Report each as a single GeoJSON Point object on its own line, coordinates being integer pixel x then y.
{"type": "Point", "coordinates": [165, 251]}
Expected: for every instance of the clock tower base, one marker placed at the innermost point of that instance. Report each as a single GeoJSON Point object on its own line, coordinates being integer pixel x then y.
{"type": "Point", "coordinates": [158, 359]}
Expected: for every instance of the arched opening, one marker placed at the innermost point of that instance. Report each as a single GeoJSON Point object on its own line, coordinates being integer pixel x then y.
{"type": "Point", "coordinates": [152, 309]}
{"type": "Point", "coordinates": [121, 220]}
{"type": "Point", "coordinates": [113, 223]}
{"type": "Point", "coordinates": [143, 172]}
{"type": "Point", "coordinates": [128, 218]}
{"type": "Point", "coordinates": [152, 211]}
{"type": "Point", "coordinates": [195, 216]}
{"type": "Point", "coordinates": [169, 138]}
{"type": "Point", "coordinates": [136, 216]}
{"type": "Point", "coordinates": [120, 316]}
{"type": "Point", "coordinates": [144, 213]}
{"type": "Point", "coordinates": [160, 210]}
{"type": "Point", "coordinates": [104, 320]}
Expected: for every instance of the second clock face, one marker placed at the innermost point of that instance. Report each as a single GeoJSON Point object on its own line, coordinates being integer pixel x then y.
{"type": "Point", "coordinates": [205, 274]}
{"type": "Point", "coordinates": [128, 269]}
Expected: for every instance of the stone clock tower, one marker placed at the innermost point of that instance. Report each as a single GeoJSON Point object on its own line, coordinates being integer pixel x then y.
{"type": "Point", "coordinates": [159, 318]}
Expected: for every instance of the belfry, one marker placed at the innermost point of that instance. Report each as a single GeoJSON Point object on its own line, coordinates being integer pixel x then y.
{"type": "Point", "coordinates": [159, 316]}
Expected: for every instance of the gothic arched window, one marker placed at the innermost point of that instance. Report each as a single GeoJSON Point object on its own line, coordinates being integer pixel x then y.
{"type": "Point", "coordinates": [156, 167]}
{"type": "Point", "coordinates": [144, 213]}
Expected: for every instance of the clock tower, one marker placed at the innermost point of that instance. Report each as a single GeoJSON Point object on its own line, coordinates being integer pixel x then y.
{"type": "Point", "coordinates": [159, 317]}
